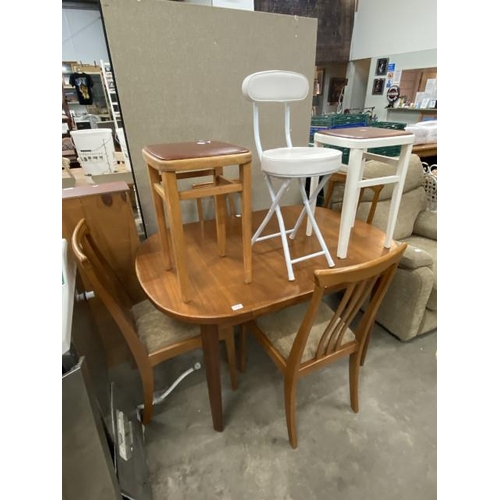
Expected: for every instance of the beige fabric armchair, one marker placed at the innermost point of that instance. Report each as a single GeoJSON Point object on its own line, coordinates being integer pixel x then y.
{"type": "Point", "coordinates": [410, 305]}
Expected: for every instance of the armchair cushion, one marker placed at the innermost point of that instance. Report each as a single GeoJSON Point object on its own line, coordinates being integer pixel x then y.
{"type": "Point", "coordinates": [403, 312]}
{"type": "Point", "coordinates": [415, 257]}
{"type": "Point", "coordinates": [412, 203]}
{"type": "Point", "coordinates": [426, 225]}
{"type": "Point", "coordinates": [429, 247]}
{"type": "Point", "coordinates": [375, 168]}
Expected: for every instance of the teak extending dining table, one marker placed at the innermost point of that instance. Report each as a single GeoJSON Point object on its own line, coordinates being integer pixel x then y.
{"type": "Point", "coordinates": [222, 300]}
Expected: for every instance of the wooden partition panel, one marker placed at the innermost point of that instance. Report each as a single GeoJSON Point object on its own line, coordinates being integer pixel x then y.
{"type": "Point", "coordinates": [179, 69]}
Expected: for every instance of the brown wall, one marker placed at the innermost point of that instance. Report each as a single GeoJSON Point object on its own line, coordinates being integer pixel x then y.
{"type": "Point", "coordinates": [335, 24]}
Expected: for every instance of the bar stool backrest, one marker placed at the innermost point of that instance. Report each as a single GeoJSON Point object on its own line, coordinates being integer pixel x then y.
{"type": "Point", "coordinates": [274, 86]}
{"type": "Point", "coordinates": [281, 165]}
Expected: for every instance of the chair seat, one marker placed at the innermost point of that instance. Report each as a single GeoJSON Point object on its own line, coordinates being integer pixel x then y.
{"type": "Point", "coordinates": [192, 150]}
{"type": "Point", "coordinates": [300, 161]}
{"type": "Point", "coordinates": [157, 330]}
{"type": "Point", "coordinates": [281, 329]}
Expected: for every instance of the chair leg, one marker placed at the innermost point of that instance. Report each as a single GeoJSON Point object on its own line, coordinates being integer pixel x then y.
{"type": "Point", "coordinates": [243, 350]}
{"type": "Point", "coordinates": [290, 410]}
{"type": "Point", "coordinates": [231, 358]}
{"type": "Point", "coordinates": [284, 242]}
{"type": "Point", "coordinates": [365, 346]}
{"type": "Point", "coordinates": [275, 209]}
{"type": "Point", "coordinates": [147, 378]}
{"type": "Point", "coordinates": [220, 222]}
{"type": "Point", "coordinates": [397, 193]}
{"type": "Point", "coordinates": [311, 220]}
{"type": "Point", "coordinates": [232, 205]}
{"type": "Point", "coordinates": [354, 360]}
{"type": "Point", "coordinates": [199, 207]}
{"type": "Point", "coordinates": [329, 193]}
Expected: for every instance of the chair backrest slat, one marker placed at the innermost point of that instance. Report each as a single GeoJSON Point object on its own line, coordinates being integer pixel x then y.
{"type": "Point", "coordinates": [361, 286]}
{"type": "Point", "coordinates": [363, 289]}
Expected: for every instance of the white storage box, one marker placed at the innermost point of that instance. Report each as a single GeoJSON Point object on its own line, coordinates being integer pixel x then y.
{"type": "Point", "coordinates": [425, 132]}
{"type": "Point", "coordinates": [96, 150]}
{"type": "Point", "coordinates": [120, 135]}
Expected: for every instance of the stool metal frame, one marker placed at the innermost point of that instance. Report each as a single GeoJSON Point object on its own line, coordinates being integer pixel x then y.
{"type": "Point", "coordinates": [288, 163]}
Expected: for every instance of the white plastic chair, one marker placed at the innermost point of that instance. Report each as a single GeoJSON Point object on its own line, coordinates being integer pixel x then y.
{"type": "Point", "coordinates": [287, 163]}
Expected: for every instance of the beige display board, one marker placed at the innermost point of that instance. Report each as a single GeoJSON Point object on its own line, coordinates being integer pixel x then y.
{"type": "Point", "coordinates": [179, 69]}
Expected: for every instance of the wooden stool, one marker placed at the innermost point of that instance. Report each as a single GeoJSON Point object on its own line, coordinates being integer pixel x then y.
{"type": "Point", "coordinates": [169, 162]}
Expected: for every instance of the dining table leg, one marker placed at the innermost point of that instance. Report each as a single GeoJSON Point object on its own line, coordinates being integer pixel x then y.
{"type": "Point", "coordinates": [211, 355]}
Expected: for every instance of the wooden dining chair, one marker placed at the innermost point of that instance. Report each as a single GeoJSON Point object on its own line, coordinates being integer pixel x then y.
{"type": "Point", "coordinates": [311, 335]}
{"type": "Point", "coordinates": [151, 335]}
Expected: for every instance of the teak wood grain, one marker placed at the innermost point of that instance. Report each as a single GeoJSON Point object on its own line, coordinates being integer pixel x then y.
{"type": "Point", "coordinates": [220, 298]}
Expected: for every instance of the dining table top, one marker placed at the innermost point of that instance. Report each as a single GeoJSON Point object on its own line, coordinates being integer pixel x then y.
{"type": "Point", "coordinates": [220, 295]}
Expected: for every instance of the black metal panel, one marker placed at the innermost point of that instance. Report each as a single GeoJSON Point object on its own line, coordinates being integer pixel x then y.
{"type": "Point", "coordinates": [81, 4]}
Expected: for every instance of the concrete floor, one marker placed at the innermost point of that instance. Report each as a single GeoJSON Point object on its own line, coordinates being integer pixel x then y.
{"type": "Point", "coordinates": [387, 451]}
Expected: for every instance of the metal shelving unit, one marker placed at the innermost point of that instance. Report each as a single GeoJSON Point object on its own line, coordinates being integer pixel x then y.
{"type": "Point", "coordinates": [109, 84]}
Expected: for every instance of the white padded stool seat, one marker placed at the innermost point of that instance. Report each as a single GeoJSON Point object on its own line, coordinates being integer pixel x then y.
{"type": "Point", "coordinates": [300, 161]}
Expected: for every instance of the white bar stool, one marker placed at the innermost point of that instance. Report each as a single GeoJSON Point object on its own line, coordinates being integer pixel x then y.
{"type": "Point", "coordinates": [359, 140]}
{"type": "Point", "coordinates": [288, 163]}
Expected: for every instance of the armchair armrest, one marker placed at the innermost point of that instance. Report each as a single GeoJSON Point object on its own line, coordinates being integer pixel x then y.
{"type": "Point", "coordinates": [414, 257]}
{"type": "Point", "coordinates": [426, 225]}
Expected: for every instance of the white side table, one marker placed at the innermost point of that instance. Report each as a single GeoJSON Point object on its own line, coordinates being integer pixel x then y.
{"type": "Point", "coordinates": [359, 140]}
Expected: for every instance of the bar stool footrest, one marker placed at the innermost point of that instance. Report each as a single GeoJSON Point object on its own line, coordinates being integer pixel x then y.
{"type": "Point", "coordinates": [309, 256]}
{"type": "Point", "coordinates": [269, 236]}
